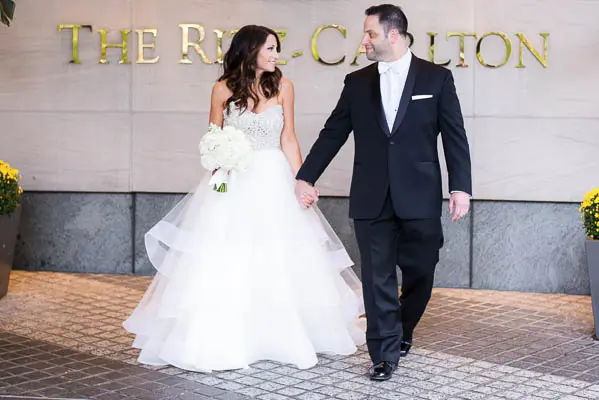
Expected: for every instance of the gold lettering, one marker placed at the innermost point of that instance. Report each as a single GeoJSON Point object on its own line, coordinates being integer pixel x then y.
{"type": "Point", "coordinates": [525, 42]}
{"type": "Point", "coordinates": [431, 51]}
{"type": "Point", "coordinates": [281, 34]}
{"type": "Point", "coordinates": [315, 53]}
{"type": "Point", "coordinates": [141, 45]}
{"type": "Point", "coordinates": [461, 35]}
{"type": "Point", "coordinates": [185, 44]}
{"type": "Point", "coordinates": [122, 46]}
{"type": "Point", "coordinates": [361, 50]}
{"type": "Point", "coordinates": [75, 39]}
{"type": "Point", "coordinates": [508, 46]}
{"type": "Point", "coordinates": [219, 45]}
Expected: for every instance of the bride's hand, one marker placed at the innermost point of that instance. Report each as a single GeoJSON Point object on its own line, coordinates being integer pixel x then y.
{"type": "Point", "coordinates": [306, 194]}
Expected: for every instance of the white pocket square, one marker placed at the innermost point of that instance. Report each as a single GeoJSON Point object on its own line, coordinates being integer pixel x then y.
{"type": "Point", "coordinates": [422, 96]}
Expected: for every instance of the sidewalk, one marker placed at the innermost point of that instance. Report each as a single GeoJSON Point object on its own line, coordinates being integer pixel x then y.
{"type": "Point", "coordinates": [61, 337]}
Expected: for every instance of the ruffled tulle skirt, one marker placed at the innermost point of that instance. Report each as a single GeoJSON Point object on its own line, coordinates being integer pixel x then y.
{"type": "Point", "coordinates": [247, 275]}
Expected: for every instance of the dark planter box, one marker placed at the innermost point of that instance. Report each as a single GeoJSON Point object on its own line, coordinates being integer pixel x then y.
{"type": "Point", "coordinates": [9, 229]}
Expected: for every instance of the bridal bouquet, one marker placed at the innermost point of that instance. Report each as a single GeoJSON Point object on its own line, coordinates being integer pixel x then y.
{"type": "Point", "coordinates": [223, 150]}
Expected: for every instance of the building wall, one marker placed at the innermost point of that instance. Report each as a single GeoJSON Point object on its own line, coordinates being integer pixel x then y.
{"type": "Point", "coordinates": [104, 149]}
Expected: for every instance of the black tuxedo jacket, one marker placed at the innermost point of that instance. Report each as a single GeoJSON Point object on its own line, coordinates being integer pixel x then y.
{"type": "Point", "coordinates": [403, 162]}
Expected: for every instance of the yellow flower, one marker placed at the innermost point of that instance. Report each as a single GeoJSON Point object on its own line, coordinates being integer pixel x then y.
{"type": "Point", "coordinates": [10, 195]}
{"type": "Point", "coordinates": [8, 173]}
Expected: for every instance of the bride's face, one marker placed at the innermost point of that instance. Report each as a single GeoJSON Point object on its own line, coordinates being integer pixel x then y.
{"type": "Point", "coordinates": [268, 55]}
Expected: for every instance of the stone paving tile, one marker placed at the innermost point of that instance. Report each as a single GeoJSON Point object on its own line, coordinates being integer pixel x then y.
{"type": "Point", "coordinates": [37, 369]}
{"type": "Point", "coordinates": [61, 337]}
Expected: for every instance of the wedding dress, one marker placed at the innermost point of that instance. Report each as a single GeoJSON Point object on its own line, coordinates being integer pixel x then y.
{"type": "Point", "coordinates": [247, 275]}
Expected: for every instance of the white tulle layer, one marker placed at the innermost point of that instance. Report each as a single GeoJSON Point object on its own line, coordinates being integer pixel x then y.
{"type": "Point", "coordinates": [247, 275]}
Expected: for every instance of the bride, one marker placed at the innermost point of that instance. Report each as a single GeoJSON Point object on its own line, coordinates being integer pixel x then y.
{"type": "Point", "coordinates": [250, 274]}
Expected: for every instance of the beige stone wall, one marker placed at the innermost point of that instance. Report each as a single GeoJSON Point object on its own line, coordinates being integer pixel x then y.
{"type": "Point", "coordinates": [534, 131]}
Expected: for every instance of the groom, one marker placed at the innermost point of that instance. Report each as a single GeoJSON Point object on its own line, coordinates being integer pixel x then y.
{"type": "Point", "coordinates": [396, 109]}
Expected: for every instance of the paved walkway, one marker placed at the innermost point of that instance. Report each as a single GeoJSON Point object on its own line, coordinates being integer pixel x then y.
{"type": "Point", "coordinates": [61, 337]}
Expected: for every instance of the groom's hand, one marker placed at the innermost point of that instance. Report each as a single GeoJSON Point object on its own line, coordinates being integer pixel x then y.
{"type": "Point", "coordinates": [306, 194]}
{"type": "Point", "coordinates": [459, 204]}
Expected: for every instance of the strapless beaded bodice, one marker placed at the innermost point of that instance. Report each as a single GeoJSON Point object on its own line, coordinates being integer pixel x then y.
{"type": "Point", "coordinates": [263, 128]}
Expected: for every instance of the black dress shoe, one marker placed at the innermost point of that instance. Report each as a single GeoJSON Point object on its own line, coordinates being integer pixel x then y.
{"type": "Point", "coordinates": [382, 371]}
{"type": "Point", "coordinates": [404, 348]}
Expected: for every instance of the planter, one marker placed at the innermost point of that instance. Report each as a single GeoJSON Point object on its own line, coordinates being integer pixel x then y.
{"type": "Point", "coordinates": [592, 253]}
{"type": "Point", "coordinates": [9, 229]}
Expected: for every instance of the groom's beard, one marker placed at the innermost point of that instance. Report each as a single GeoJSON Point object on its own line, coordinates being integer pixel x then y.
{"type": "Point", "coordinates": [373, 56]}
{"type": "Point", "coordinates": [376, 55]}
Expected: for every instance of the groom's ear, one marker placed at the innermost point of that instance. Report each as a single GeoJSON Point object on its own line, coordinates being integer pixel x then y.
{"type": "Point", "coordinates": [397, 37]}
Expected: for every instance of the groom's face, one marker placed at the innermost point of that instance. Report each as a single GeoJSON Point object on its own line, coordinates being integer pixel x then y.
{"type": "Point", "coordinates": [375, 41]}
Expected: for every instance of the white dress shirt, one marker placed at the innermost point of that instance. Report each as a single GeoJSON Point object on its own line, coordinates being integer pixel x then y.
{"type": "Point", "coordinates": [393, 80]}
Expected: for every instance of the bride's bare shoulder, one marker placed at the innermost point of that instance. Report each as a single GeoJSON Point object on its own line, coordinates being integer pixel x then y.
{"type": "Point", "coordinates": [220, 91]}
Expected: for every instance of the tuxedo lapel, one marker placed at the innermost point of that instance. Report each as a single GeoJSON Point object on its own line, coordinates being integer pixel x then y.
{"type": "Point", "coordinates": [406, 96]}
{"type": "Point", "coordinates": [375, 93]}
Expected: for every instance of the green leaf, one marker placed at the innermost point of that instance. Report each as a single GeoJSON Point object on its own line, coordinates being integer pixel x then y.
{"type": "Point", "coordinates": [7, 11]}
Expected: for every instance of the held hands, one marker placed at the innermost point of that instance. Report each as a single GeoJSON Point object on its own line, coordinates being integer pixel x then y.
{"type": "Point", "coordinates": [306, 194]}
{"type": "Point", "coordinates": [459, 204]}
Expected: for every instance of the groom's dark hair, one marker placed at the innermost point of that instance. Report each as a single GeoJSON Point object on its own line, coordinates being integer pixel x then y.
{"type": "Point", "coordinates": [391, 17]}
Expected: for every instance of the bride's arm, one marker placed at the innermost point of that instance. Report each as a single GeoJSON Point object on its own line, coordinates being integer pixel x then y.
{"type": "Point", "coordinates": [220, 94]}
{"type": "Point", "coordinates": [289, 143]}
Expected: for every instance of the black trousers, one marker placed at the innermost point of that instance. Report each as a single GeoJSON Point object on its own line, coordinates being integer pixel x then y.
{"type": "Point", "coordinates": [384, 243]}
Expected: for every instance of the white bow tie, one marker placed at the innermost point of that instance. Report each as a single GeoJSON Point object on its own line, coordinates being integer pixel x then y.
{"type": "Point", "coordinates": [385, 66]}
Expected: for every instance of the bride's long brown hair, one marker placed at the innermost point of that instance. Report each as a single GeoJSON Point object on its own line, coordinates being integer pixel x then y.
{"type": "Point", "coordinates": [240, 67]}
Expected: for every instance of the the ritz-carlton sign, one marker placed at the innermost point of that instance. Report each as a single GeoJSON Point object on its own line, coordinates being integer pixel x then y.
{"type": "Point", "coordinates": [192, 36]}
